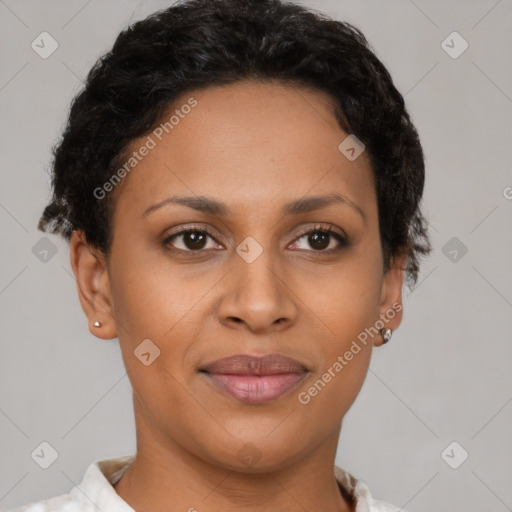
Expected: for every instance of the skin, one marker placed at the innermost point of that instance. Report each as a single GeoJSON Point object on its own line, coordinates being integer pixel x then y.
{"type": "Point", "coordinates": [253, 146]}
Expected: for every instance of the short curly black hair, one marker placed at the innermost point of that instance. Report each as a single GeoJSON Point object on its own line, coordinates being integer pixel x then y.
{"type": "Point", "coordinates": [195, 44]}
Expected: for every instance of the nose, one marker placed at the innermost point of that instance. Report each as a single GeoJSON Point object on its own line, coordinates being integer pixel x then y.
{"type": "Point", "coordinates": [257, 297]}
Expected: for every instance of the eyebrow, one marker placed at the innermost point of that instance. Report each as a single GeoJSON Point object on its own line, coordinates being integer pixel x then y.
{"type": "Point", "coordinates": [299, 206]}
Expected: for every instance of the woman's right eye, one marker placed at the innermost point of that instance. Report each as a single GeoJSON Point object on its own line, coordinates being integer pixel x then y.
{"type": "Point", "coordinates": [191, 240]}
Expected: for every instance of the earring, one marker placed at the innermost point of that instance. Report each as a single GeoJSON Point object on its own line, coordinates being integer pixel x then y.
{"type": "Point", "coordinates": [386, 334]}
{"type": "Point", "coordinates": [97, 324]}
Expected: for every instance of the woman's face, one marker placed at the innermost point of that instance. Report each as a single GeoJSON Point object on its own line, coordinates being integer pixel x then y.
{"type": "Point", "coordinates": [253, 284]}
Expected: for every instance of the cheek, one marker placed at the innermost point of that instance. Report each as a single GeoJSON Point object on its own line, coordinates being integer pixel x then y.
{"type": "Point", "coordinates": [345, 306]}
{"type": "Point", "coordinates": [330, 392]}
{"type": "Point", "coordinates": [157, 313]}
{"type": "Point", "coordinates": [150, 298]}
{"type": "Point", "coordinates": [344, 350]}
{"type": "Point", "coordinates": [345, 298]}
{"type": "Point", "coordinates": [346, 309]}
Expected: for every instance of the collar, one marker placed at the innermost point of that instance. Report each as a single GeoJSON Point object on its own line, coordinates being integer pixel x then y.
{"type": "Point", "coordinates": [102, 475]}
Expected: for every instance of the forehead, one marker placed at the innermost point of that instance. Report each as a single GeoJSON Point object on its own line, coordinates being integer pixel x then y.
{"type": "Point", "coordinates": [250, 144]}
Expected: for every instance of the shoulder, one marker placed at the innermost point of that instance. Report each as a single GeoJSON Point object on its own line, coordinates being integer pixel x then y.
{"type": "Point", "coordinates": [95, 492]}
{"type": "Point", "coordinates": [63, 503]}
{"type": "Point", "coordinates": [358, 492]}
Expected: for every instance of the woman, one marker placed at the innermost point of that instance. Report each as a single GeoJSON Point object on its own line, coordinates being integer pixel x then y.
{"type": "Point", "coordinates": [240, 184]}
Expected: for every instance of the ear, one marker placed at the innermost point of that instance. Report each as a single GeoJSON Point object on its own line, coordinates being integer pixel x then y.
{"type": "Point", "coordinates": [92, 279]}
{"type": "Point", "coordinates": [390, 307]}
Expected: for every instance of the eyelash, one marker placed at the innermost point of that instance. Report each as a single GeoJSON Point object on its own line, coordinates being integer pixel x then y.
{"type": "Point", "coordinates": [343, 242]}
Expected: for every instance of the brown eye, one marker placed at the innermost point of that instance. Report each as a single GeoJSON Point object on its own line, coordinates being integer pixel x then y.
{"type": "Point", "coordinates": [194, 240]}
{"type": "Point", "coordinates": [191, 240]}
{"type": "Point", "coordinates": [320, 240]}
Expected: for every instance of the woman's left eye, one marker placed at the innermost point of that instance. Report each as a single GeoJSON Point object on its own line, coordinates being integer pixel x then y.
{"type": "Point", "coordinates": [320, 239]}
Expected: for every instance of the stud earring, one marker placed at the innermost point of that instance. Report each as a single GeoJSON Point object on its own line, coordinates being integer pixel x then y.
{"type": "Point", "coordinates": [386, 334]}
{"type": "Point", "coordinates": [97, 324]}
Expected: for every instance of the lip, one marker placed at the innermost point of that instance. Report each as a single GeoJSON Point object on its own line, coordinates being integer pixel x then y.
{"type": "Point", "coordinates": [255, 379]}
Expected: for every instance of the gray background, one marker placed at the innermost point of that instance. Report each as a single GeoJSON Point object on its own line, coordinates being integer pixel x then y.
{"type": "Point", "coordinates": [446, 374]}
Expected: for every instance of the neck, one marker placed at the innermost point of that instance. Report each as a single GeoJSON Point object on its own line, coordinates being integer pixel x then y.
{"type": "Point", "coordinates": [166, 477]}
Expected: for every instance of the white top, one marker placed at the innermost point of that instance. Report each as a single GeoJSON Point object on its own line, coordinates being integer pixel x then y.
{"type": "Point", "coordinates": [96, 491]}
